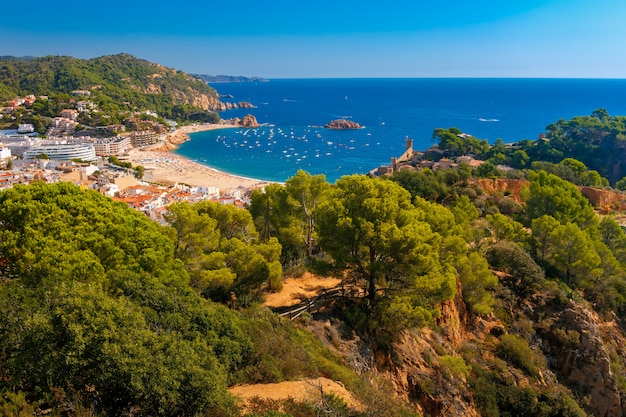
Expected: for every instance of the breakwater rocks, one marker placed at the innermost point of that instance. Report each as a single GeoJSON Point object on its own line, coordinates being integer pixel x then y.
{"type": "Point", "coordinates": [222, 106]}
{"type": "Point", "coordinates": [342, 124]}
{"type": "Point", "coordinates": [240, 105]}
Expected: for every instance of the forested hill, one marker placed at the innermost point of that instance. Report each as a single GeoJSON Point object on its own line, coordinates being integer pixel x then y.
{"type": "Point", "coordinates": [113, 81]}
{"type": "Point", "coordinates": [597, 140]}
{"type": "Point", "coordinates": [586, 150]}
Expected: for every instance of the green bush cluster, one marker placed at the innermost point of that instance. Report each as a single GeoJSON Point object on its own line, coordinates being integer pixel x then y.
{"type": "Point", "coordinates": [454, 366]}
{"type": "Point", "coordinates": [497, 396]}
{"type": "Point", "coordinates": [516, 350]}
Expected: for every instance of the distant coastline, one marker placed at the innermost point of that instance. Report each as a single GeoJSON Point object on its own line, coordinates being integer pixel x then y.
{"type": "Point", "coordinates": [228, 78]}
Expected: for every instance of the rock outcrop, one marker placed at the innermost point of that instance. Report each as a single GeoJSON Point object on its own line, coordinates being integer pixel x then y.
{"type": "Point", "coordinates": [205, 101]}
{"type": "Point", "coordinates": [420, 379]}
{"type": "Point", "coordinates": [248, 121]}
{"type": "Point", "coordinates": [342, 124]}
{"type": "Point", "coordinates": [418, 372]}
{"type": "Point", "coordinates": [246, 105]}
{"type": "Point", "coordinates": [173, 139]}
{"type": "Point", "coordinates": [605, 200]}
{"type": "Point", "coordinates": [583, 347]}
{"type": "Point", "coordinates": [512, 187]}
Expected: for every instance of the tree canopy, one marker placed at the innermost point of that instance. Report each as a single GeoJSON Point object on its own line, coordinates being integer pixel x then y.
{"type": "Point", "coordinates": [371, 226]}
{"type": "Point", "coordinates": [92, 295]}
{"type": "Point", "coordinates": [455, 143]}
{"type": "Point", "coordinates": [598, 141]}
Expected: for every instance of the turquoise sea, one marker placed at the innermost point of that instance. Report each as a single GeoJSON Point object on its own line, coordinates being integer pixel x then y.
{"type": "Point", "coordinates": [293, 112]}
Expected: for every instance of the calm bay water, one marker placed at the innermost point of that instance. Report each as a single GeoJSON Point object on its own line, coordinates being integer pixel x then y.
{"type": "Point", "coordinates": [293, 112]}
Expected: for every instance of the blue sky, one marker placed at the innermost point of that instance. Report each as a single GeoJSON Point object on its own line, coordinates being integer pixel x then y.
{"type": "Point", "coordinates": [303, 39]}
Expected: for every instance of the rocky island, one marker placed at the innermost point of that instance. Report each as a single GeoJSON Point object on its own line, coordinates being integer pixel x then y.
{"type": "Point", "coordinates": [342, 124]}
{"type": "Point", "coordinates": [247, 121]}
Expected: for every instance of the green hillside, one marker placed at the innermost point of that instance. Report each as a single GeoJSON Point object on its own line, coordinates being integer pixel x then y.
{"type": "Point", "coordinates": [116, 83]}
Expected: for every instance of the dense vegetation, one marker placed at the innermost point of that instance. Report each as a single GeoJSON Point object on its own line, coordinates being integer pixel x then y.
{"type": "Point", "coordinates": [407, 253]}
{"type": "Point", "coordinates": [107, 312]}
{"type": "Point", "coordinates": [96, 306]}
{"type": "Point", "coordinates": [117, 83]}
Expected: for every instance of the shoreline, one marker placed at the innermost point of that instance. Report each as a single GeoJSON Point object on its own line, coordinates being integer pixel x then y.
{"type": "Point", "coordinates": [162, 165]}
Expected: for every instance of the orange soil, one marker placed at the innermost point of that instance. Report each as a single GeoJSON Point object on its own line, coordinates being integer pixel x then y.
{"type": "Point", "coordinates": [296, 289]}
{"type": "Point", "coordinates": [304, 390]}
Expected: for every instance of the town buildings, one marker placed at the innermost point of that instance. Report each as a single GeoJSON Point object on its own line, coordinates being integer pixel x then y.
{"type": "Point", "coordinates": [65, 155]}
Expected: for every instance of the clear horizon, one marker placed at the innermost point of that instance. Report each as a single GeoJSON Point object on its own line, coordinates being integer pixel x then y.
{"type": "Point", "coordinates": [280, 39]}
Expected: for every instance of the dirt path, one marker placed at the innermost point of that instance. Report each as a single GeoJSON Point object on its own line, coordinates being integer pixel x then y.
{"type": "Point", "coordinates": [294, 291]}
{"type": "Point", "coordinates": [304, 390]}
{"type": "Point", "coordinates": [297, 289]}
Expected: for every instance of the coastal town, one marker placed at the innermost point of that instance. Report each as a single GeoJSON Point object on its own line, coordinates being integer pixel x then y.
{"type": "Point", "coordinates": [130, 162]}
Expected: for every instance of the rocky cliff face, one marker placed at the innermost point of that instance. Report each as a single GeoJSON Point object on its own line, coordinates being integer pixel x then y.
{"type": "Point", "coordinates": [605, 200]}
{"type": "Point", "coordinates": [418, 371]}
{"type": "Point", "coordinates": [582, 354]}
{"type": "Point", "coordinates": [172, 140]}
{"type": "Point", "coordinates": [587, 353]}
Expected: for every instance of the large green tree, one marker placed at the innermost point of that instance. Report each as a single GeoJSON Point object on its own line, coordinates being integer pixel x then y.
{"type": "Point", "coordinates": [307, 192]}
{"type": "Point", "coordinates": [569, 250]}
{"type": "Point", "coordinates": [597, 140]}
{"type": "Point", "coordinates": [455, 143]}
{"type": "Point", "coordinates": [554, 196]}
{"type": "Point", "coordinates": [220, 249]}
{"type": "Point", "coordinates": [289, 213]}
{"type": "Point", "coordinates": [370, 226]}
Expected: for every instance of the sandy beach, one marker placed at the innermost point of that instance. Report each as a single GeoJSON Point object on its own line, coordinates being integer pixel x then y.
{"type": "Point", "coordinates": [166, 167]}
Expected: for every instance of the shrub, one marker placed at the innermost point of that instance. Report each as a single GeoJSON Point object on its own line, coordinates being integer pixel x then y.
{"type": "Point", "coordinates": [16, 405]}
{"type": "Point", "coordinates": [495, 396]}
{"type": "Point", "coordinates": [276, 354]}
{"type": "Point", "coordinates": [526, 275]}
{"type": "Point", "coordinates": [516, 350]}
{"type": "Point", "coordinates": [454, 366]}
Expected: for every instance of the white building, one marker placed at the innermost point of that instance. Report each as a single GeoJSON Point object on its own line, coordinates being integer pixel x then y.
{"type": "Point", "coordinates": [70, 114]}
{"type": "Point", "coordinates": [5, 152]}
{"type": "Point", "coordinates": [25, 128]}
{"type": "Point", "coordinates": [85, 106]}
{"type": "Point", "coordinates": [110, 190]}
{"type": "Point", "coordinates": [208, 191]}
{"type": "Point", "coordinates": [63, 152]}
